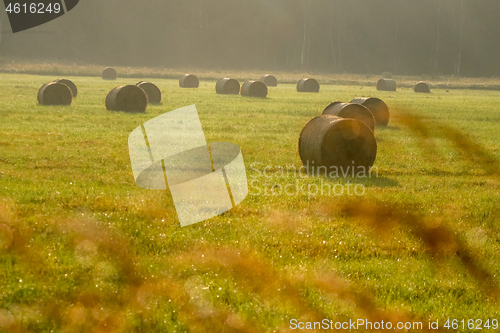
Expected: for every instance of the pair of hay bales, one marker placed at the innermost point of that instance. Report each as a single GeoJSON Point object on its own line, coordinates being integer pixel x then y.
{"type": "Point", "coordinates": [250, 88]}
{"type": "Point", "coordinates": [308, 85]}
{"type": "Point", "coordinates": [371, 111]}
{"type": "Point", "coordinates": [343, 136]}
{"type": "Point", "coordinates": [133, 98]}
{"type": "Point", "coordinates": [258, 88]}
{"type": "Point", "coordinates": [377, 107]}
{"type": "Point", "coordinates": [352, 111]}
{"type": "Point", "coordinates": [58, 92]}
{"type": "Point", "coordinates": [227, 86]}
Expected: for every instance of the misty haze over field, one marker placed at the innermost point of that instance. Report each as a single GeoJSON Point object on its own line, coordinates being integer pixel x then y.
{"type": "Point", "coordinates": [414, 37]}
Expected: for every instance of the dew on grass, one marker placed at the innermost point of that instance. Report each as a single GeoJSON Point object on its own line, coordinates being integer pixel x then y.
{"type": "Point", "coordinates": [147, 295]}
{"type": "Point", "coordinates": [198, 292]}
{"type": "Point", "coordinates": [86, 252]}
{"type": "Point", "coordinates": [99, 313]}
{"type": "Point", "coordinates": [105, 273]}
{"type": "Point", "coordinates": [76, 314]}
{"type": "Point", "coordinates": [26, 313]}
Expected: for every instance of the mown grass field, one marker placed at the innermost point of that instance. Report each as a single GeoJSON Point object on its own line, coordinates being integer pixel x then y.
{"type": "Point", "coordinates": [93, 252]}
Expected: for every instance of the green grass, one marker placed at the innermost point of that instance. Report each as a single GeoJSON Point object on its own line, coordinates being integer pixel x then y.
{"type": "Point", "coordinates": [92, 250]}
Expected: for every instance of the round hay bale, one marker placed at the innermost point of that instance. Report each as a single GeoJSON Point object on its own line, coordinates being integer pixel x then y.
{"type": "Point", "coordinates": [227, 86]}
{"type": "Point", "coordinates": [307, 85]}
{"type": "Point", "coordinates": [151, 90]}
{"type": "Point", "coordinates": [70, 84]}
{"type": "Point", "coordinates": [269, 80]}
{"type": "Point", "coordinates": [189, 81]}
{"type": "Point", "coordinates": [422, 87]}
{"type": "Point", "coordinates": [109, 74]}
{"type": "Point", "coordinates": [128, 98]}
{"type": "Point", "coordinates": [6, 237]}
{"type": "Point", "coordinates": [332, 141]}
{"type": "Point", "coordinates": [386, 85]}
{"type": "Point", "coordinates": [378, 108]}
{"type": "Point", "coordinates": [254, 89]}
{"type": "Point", "coordinates": [353, 111]}
{"type": "Point", "coordinates": [54, 93]}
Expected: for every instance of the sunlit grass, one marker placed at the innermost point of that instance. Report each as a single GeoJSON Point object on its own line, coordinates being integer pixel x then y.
{"type": "Point", "coordinates": [92, 251]}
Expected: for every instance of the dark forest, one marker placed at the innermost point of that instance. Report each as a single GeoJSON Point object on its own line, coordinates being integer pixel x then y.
{"type": "Point", "coordinates": [405, 37]}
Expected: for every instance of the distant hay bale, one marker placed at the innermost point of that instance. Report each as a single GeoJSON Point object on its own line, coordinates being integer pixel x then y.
{"type": "Point", "coordinates": [378, 108]}
{"type": "Point", "coordinates": [254, 89]}
{"type": "Point", "coordinates": [109, 73]}
{"type": "Point", "coordinates": [332, 141]}
{"type": "Point", "coordinates": [351, 110]}
{"type": "Point", "coordinates": [387, 75]}
{"type": "Point", "coordinates": [128, 98]}
{"type": "Point", "coordinates": [151, 90]}
{"type": "Point", "coordinates": [189, 81]}
{"type": "Point", "coordinates": [386, 85]}
{"type": "Point", "coordinates": [54, 93]}
{"type": "Point", "coordinates": [70, 84]}
{"type": "Point", "coordinates": [307, 85]}
{"type": "Point", "coordinates": [422, 87]}
{"type": "Point", "coordinates": [227, 86]}
{"type": "Point", "coordinates": [269, 80]}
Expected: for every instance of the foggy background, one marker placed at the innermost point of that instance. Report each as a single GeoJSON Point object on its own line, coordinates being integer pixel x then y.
{"type": "Point", "coordinates": [412, 37]}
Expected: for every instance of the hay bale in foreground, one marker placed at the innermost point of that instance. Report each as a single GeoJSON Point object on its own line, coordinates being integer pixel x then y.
{"type": "Point", "coordinates": [332, 141]}
{"type": "Point", "coordinates": [422, 87]}
{"type": "Point", "coordinates": [378, 108]}
{"type": "Point", "coordinates": [307, 85]}
{"type": "Point", "coordinates": [227, 86]}
{"type": "Point", "coordinates": [269, 80]}
{"type": "Point", "coordinates": [109, 73]}
{"type": "Point", "coordinates": [189, 81]}
{"type": "Point", "coordinates": [151, 90]}
{"type": "Point", "coordinates": [54, 93]}
{"type": "Point", "coordinates": [353, 111]}
{"type": "Point", "coordinates": [128, 98]}
{"type": "Point", "coordinates": [70, 84]}
{"type": "Point", "coordinates": [386, 85]}
{"type": "Point", "coordinates": [254, 89]}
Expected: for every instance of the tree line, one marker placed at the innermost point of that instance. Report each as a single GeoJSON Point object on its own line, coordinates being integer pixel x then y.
{"type": "Point", "coordinates": [432, 37]}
